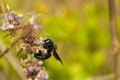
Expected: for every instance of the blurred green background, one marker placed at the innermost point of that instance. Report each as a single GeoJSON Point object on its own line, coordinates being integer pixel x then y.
{"type": "Point", "coordinates": [80, 28]}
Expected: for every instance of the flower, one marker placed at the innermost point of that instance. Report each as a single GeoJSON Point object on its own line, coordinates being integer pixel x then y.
{"type": "Point", "coordinates": [36, 26]}
{"type": "Point", "coordinates": [4, 26]}
{"type": "Point", "coordinates": [32, 22]}
{"type": "Point", "coordinates": [42, 75]}
{"type": "Point", "coordinates": [13, 20]}
{"type": "Point", "coordinates": [34, 70]}
{"type": "Point", "coordinates": [10, 26]}
{"type": "Point", "coordinates": [13, 16]}
{"type": "Point", "coordinates": [28, 35]}
{"type": "Point", "coordinates": [39, 41]}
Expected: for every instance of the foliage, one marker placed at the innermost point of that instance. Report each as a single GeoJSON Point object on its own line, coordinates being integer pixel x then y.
{"type": "Point", "coordinates": [80, 30]}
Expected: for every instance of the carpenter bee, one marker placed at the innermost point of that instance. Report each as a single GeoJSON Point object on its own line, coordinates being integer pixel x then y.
{"type": "Point", "coordinates": [50, 47]}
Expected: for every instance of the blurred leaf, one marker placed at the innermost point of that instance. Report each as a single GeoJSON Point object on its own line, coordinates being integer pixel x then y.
{"type": "Point", "coordinates": [19, 53]}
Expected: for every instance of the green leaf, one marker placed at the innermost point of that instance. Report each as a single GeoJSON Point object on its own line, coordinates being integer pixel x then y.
{"type": "Point", "coordinates": [6, 36]}
{"type": "Point", "coordinates": [30, 56]}
{"type": "Point", "coordinates": [19, 52]}
{"type": "Point", "coordinates": [23, 63]}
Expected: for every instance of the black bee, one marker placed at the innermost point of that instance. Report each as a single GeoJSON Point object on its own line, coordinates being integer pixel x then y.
{"type": "Point", "coordinates": [51, 47]}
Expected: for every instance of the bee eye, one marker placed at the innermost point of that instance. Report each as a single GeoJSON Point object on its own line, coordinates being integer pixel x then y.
{"type": "Point", "coordinates": [47, 41]}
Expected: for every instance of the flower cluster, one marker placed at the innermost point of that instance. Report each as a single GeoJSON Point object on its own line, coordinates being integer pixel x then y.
{"type": "Point", "coordinates": [34, 70]}
{"type": "Point", "coordinates": [29, 42]}
{"type": "Point", "coordinates": [12, 20]}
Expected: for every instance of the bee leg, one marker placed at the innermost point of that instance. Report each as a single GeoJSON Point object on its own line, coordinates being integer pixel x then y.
{"type": "Point", "coordinates": [57, 56]}
{"type": "Point", "coordinates": [46, 56]}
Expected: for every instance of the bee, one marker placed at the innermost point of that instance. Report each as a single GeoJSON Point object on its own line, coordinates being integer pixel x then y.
{"type": "Point", "coordinates": [51, 48]}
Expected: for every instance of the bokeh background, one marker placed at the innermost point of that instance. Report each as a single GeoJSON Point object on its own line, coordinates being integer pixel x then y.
{"type": "Point", "coordinates": [80, 28]}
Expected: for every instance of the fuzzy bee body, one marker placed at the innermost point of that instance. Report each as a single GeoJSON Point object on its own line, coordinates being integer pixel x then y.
{"type": "Point", "coordinates": [41, 56]}
{"type": "Point", "coordinates": [50, 47]}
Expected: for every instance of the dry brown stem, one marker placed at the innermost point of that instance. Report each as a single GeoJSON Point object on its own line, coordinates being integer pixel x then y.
{"type": "Point", "coordinates": [114, 39]}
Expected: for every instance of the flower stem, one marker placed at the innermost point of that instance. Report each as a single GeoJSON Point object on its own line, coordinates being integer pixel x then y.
{"type": "Point", "coordinates": [3, 10]}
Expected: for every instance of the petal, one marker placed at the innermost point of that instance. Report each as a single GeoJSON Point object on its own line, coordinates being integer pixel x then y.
{"type": "Point", "coordinates": [32, 20]}
{"type": "Point", "coordinates": [4, 26]}
{"type": "Point", "coordinates": [36, 26]}
{"type": "Point", "coordinates": [37, 41]}
{"type": "Point", "coordinates": [45, 75]}
{"type": "Point", "coordinates": [41, 40]}
{"type": "Point", "coordinates": [20, 16]}
{"type": "Point", "coordinates": [13, 12]}
{"type": "Point", "coordinates": [10, 26]}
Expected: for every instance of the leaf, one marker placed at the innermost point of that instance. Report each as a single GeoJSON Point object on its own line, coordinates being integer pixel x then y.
{"type": "Point", "coordinates": [23, 63]}
{"type": "Point", "coordinates": [19, 52]}
{"type": "Point", "coordinates": [6, 36]}
{"type": "Point", "coordinates": [30, 56]}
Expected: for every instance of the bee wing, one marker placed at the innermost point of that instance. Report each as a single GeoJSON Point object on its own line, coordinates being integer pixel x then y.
{"type": "Point", "coordinates": [57, 56]}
